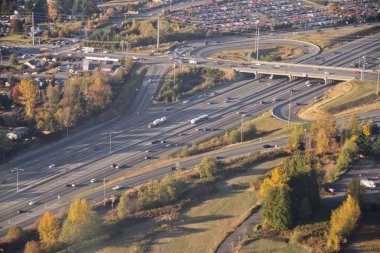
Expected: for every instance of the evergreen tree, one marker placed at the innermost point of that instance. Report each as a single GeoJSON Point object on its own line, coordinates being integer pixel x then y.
{"type": "Point", "coordinates": [277, 208]}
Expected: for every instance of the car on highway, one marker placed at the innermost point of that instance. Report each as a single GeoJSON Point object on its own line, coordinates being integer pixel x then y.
{"type": "Point", "coordinates": [185, 101]}
{"type": "Point", "coordinates": [274, 99]}
{"type": "Point", "coordinates": [117, 187]}
{"type": "Point", "coordinates": [33, 202]}
{"type": "Point", "coordinates": [94, 180]}
{"type": "Point", "coordinates": [326, 73]}
{"type": "Point", "coordinates": [240, 113]}
{"type": "Point", "coordinates": [52, 165]}
{"type": "Point", "coordinates": [114, 165]}
{"type": "Point", "coordinates": [73, 185]}
{"type": "Point", "coordinates": [180, 134]}
{"type": "Point", "coordinates": [147, 157]}
{"type": "Point", "coordinates": [357, 72]}
{"type": "Point", "coordinates": [20, 211]}
{"type": "Point", "coordinates": [155, 142]}
{"type": "Point", "coordinates": [266, 146]}
{"type": "Point", "coordinates": [168, 145]}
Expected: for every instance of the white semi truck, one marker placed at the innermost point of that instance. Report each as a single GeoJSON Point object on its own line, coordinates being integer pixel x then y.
{"type": "Point", "coordinates": [157, 122]}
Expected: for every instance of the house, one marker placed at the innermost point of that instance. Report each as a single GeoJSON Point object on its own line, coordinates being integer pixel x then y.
{"type": "Point", "coordinates": [17, 133]}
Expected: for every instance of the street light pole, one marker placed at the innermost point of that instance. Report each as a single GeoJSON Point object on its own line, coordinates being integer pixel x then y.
{"type": "Point", "coordinates": [290, 107]}
{"type": "Point", "coordinates": [16, 170]}
{"type": "Point", "coordinates": [174, 74]}
{"type": "Point", "coordinates": [111, 140]}
{"type": "Point", "coordinates": [378, 76]}
{"type": "Point", "coordinates": [241, 128]}
{"type": "Point", "coordinates": [104, 191]}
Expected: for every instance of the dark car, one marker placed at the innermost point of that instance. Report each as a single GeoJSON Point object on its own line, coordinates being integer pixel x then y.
{"type": "Point", "coordinates": [68, 185]}
{"type": "Point", "coordinates": [20, 211]}
{"type": "Point", "coordinates": [114, 165]}
{"type": "Point", "coordinates": [147, 157]}
{"type": "Point", "coordinates": [155, 142]}
{"type": "Point", "coordinates": [266, 146]}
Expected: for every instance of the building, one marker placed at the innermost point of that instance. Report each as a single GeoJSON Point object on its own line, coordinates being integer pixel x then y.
{"type": "Point", "coordinates": [106, 64]}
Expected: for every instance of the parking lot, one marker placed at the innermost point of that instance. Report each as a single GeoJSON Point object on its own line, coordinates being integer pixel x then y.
{"type": "Point", "coordinates": [239, 15]}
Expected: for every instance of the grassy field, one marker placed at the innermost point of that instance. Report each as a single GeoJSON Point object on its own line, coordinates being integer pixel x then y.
{"type": "Point", "coordinates": [205, 223]}
{"type": "Point", "coordinates": [326, 39]}
{"type": "Point", "coordinates": [285, 52]}
{"type": "Point", "coordinates": [345, 99]}
{"type": "Point", "coordinates": [267, 245]}
{"type": "Point", "coordinates": [16, 39]}
{"type": "Point", "coordinates": [367, 237]}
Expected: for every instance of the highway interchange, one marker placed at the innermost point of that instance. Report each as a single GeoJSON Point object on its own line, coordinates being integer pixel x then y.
{"type": "Point", "coordinates": [88, 154]}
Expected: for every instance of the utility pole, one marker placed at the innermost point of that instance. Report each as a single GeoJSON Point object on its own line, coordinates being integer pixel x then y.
{"type": "Point", "coordinates": [126, 45]}
{"type": "Point", "coordinates": [33, 27]}
{"type": "Point", "coordinates": [158, 31]}
{"type": "Point", "coordinates": [170, 8]}
{"type": "Point", "coordinates": [16, 170]}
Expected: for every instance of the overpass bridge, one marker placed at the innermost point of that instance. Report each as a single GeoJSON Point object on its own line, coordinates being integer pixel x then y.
{"type": "Point", "coordinates": [293, 70]}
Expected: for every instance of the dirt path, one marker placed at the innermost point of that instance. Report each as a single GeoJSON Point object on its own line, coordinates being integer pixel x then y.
{"type": "Point", "coordinates": [232, 240]}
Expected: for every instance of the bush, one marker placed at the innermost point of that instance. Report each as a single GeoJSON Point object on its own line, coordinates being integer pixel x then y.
{"type": "Point", "coordinates": [209, 167]}
{"type": "Point", "coordinates": [297, 237]}
{"type": "Point", "coordinates": [15, 234]}
{"type": "Point", "coordinates": [347, 155]}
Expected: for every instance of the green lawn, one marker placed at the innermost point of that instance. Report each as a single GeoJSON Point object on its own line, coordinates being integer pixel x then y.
{"type": "Point", "coordinates": [16, 39]}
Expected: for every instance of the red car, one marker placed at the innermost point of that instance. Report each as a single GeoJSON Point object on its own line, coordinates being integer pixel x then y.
{"type": "Point", "coordinates": [357, 72]}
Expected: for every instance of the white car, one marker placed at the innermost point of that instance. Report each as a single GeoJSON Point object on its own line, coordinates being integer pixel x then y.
{"type": "Point", "coordinates": [52, 165]}
{"type": "Point", "coordinates": [326, 73]}
{"type": "Point", "coordinates": [93, 180]}
{"type": "Point", "coordinates": [185, 101]}
{"type": "Point", "coordinates": [274, 99]}
{"type": "Point", "coordinates": [116, 187]}
{"type": "Point", "coordinates": [33, 202]}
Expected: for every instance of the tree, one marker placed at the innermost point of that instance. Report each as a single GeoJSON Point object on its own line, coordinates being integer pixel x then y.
{"type": "Point", "coordinates": [347, 155]}
{"type": "Point", "coordinates": [16, 94]}
{"type": "Point", "coordinates": [296, 138]}
{"type": "Point", "coordinates": [48, 229]}
{"type": "Point", "coordinates": [13, 59]}
{"type": "Point", "coordinates": [277, 208]}
{"type": "Point", "coordinates": [343, 221]}
{"type": "Point", "coordinates": [81, 223]}
{"type": "Point", "coordinates": [278, 178]}
{"type": "Point", "coordinates": [53, 11]}
{"type": "Point", "coordinates": [16, 25]}
{"type": "Point", "coordinates": [326, 133]}
{"type": "Point", "coordinates": [28, 97]}
{"type": "Point", "coordinates": [367, 130]}
{"type": "Point", "coordinates": [32, 247]}
{"type": "Point", "coordinates": [208, 167]}
{"type": "Point", "coordinates": [40, 6]}
{"type": "Point", "coordinates": [122, 209]}
{"type": "Point", "coordinates": [15, 234]}
{"type": "Point", "coordinates": [353, 124]}
{"type": "Point", "coordinates": [354, 189]}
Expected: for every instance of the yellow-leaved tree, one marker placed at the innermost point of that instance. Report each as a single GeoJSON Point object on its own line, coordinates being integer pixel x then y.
{"type": "Point", "coordinates": [326, 132]}
{"type": "Point", "coordinates": [81, 223]}
{"type": "Point", "coordinates": [278, 178]}
{"type": "Point", "coordinates": [52, 10]}
{"type": "Point", "coordinates": [48, 229]}
{"type": "Point", "coordinates": [343, 221]}
{"type": "Point", "coordinates": [32, 247]}
{"type": "Point", "coordinates": [28, 91]}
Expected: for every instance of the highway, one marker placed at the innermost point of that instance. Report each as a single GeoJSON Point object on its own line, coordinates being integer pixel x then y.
{"type": "Point", "coordinates": [87, 155]}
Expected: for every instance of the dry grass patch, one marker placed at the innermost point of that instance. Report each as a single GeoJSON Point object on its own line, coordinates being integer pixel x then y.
{"type": "Point", "coordinates": [270, 52]}
{"type": "Point", "coordinates": [205, 223]}
{"type": "Point", "coordinates": [344, 99]}
{"type": "Point", "coordinates": [268, 245]}
{"type": "Point", "coordinates": [326, 39]}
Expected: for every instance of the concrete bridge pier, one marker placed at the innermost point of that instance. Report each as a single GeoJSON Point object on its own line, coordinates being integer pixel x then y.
{"type": "Point", "coordinates": [257, 75]}
{"type": "Point", "coordinates": [327, 81]}
{"type": "Point", "coordinates": [291, 77]}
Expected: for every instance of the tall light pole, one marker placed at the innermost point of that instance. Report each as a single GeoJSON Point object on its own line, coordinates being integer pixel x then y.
{"type": "Point", "coordinates": [290, 106]}
{"type": "Point", "coordinates": [241, 127]}
{"type": "Point", "coordinates": [111, 140]}
{"type": "Point", "coordinates": [258, 42]}
{"type": "Point", "coordinates": [104, 191]}
{"type": "Point", "coordinates": [378, 76]}
{"type": "Point", "coordinates": [363, 69]}
{"type": "Point", "coordinates": [174, 74]}
{"type": "Point", "coordinates": [158, 31]}
{"type": "Point", "coordinates": [16, 170]}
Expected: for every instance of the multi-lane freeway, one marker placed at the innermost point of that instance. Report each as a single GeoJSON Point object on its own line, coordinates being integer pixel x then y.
{"type": "Point", "coordinates": [125, 140]}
